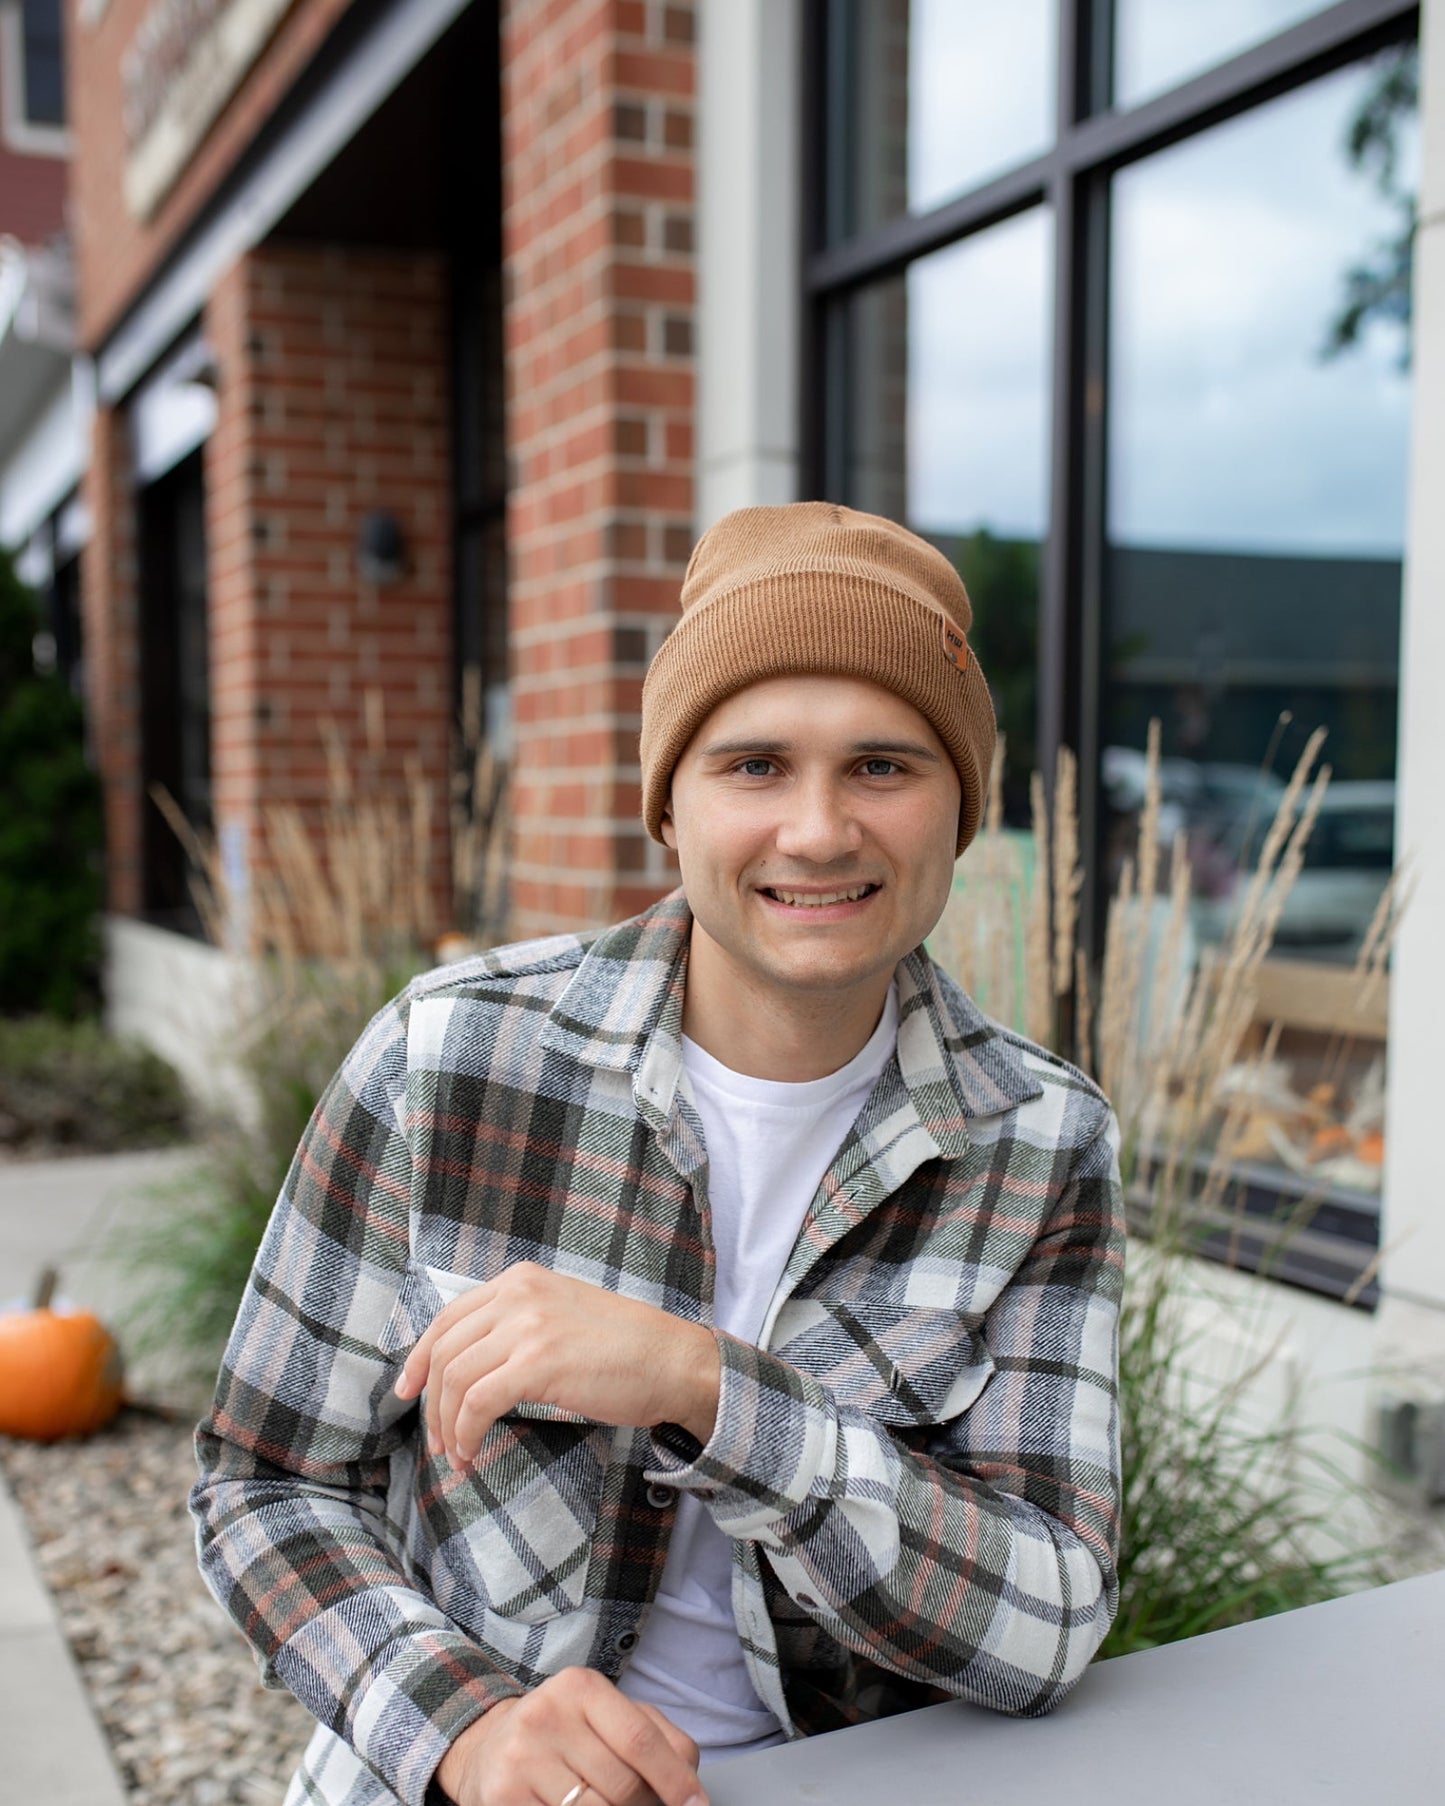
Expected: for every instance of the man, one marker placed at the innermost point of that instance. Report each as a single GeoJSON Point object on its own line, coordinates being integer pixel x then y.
{"type": "Point", "coordinates": [700, 1333]}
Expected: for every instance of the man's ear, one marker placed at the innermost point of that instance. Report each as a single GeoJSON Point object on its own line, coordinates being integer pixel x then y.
{"type": "Point", "coordinates": [665, 823]}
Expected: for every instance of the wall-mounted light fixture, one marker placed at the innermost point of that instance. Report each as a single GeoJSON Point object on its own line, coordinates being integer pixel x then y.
{"type": "Point", "coordinates": [381, 548]}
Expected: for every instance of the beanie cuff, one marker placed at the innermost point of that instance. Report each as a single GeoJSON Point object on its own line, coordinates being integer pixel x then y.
{"type": "Point", "coordinates": [839, 623]}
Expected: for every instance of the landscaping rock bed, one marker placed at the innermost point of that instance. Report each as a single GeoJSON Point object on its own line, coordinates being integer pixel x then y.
{"type": "Point", "coordinates": [174, 1686]}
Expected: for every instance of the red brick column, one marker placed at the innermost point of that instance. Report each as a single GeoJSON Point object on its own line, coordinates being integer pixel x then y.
{"type": "Point", "coordinates": [333, 402]}
{"type": "Point", "coordinates": [112, 655]}
{"type": "Point", "coordinates": [597, 121]}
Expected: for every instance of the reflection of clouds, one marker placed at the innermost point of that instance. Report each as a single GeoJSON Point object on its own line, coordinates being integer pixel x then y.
{"type": "Point", "coordinates": [978, 337]}
{"type": "Point", "coordinates": [1160, 43]}
{"type": "Point", "coordinates": [1227, 428]}
{"type": "Point", "coordinates": [980, 91]}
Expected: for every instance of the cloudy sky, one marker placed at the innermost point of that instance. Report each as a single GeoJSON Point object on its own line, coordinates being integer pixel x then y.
{"type": "Point", "coordinates": [1228, 430]}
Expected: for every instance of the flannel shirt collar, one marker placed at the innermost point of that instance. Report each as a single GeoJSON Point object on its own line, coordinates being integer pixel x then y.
{"type": "Point", "coordinates": [623, 1010]}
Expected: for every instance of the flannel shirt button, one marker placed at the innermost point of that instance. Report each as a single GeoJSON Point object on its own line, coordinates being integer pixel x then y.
{"type": "Point", "coordinates": [808, 1601]}
{"type": "Point", "coordinates": [660, 1497]}
{"type": "Point", "coordinates": [628, 1640]}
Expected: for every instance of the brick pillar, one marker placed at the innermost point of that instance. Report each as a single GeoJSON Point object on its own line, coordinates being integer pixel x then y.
{"type": "Point", "coordinates": [597, 122]}
{"type": "Point", "coordinates": [112, 653]}
{"type": "Point", "coordinates": [333, 402]}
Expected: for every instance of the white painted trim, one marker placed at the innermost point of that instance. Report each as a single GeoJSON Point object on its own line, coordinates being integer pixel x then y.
{"type": "Point", "coordinates": [44, 466]}
{"type": "Point", "coordinates": [173, 411]}
{"type": "Point", "coordinates": [16, 130]}
{"type": "Point", "coordinates": [749, 253]}
{"type": "Point", "coordinates": [183, 998]}
{"type": "Point", "coordinates": [1413, 1226]}
{"type": "Point", "coordinates": [377, 64]}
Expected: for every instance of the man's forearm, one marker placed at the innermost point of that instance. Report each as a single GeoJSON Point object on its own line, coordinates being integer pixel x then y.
{"type": "Point", "coordinates": [988, 1559]}
{"type": "Point", "coordinates": [862, 1533]}
{"type": "Point", "coordinates": [312, 1585]}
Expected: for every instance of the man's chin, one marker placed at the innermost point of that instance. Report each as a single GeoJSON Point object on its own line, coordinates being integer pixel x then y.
{"type": "Point", "coordinates": [815, 978]}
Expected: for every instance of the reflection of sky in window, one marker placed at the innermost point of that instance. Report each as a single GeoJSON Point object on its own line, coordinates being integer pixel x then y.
{"type": "Point", "coordinates": [1227, 428]}
{"type": "Point", "coordinates": [978, 363]}
{"type": "Point", "coordinates": [980, 91]}
{"type": "Point", "coordinates": [1160, 43]}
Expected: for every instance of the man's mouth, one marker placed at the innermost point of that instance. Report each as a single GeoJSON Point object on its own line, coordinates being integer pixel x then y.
{"type": "Point", "coordinates": [818, 899]}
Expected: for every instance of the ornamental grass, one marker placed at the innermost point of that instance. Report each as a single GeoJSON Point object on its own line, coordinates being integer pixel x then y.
{"type": "Point", "coordinates": [1234, 1506]}
{"type": "Point", "coordinates": [336, 921]}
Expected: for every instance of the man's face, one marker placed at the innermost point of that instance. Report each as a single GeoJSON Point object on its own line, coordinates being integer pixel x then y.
{"type": "Point", "coordinates": [798, 788]}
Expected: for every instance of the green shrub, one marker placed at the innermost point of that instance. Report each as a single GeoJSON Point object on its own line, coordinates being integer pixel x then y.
{"type": "Point", "coordinates": [1228, 1514]}
{"type": "Point", "coordinates": [71, 1085]}
{"type": "Point", "coordinates": [50, 827]}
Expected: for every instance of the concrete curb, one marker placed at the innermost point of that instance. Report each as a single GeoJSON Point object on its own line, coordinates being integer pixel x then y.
{"type": "Point", "coordinates": [56, 1211]}
{"type": "Point", "coordinates": [54, 1749]}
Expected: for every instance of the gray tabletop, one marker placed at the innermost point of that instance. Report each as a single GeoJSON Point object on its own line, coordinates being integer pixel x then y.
{"type": "Point", "coordinates": [1344, 1701]}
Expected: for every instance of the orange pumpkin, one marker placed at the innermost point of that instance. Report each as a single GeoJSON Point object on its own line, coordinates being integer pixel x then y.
{"type": "Point", "coordinates": [1330, 1141]}
{"type": "Point", "coordinates": [60, 1371]}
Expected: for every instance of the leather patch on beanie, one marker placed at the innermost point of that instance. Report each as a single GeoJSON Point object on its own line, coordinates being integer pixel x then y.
{"type": "Point", "coordinates": [954, 648]}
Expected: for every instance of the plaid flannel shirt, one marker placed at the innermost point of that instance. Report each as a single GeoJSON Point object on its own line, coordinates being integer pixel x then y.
{"type": "Point", "coordinates": [918, 1463]}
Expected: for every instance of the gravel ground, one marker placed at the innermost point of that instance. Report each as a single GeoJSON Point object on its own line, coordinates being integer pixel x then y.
{"type": "Point", "coordinates": [173, 1684]}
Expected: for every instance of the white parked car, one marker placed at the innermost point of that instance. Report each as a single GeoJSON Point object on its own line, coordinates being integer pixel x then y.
{"type": "Point", "coordinates": [1347, 864]}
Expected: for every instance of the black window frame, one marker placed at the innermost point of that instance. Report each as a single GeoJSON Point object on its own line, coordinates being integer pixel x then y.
{"type": "Point", "coordinates": [1073, 179]}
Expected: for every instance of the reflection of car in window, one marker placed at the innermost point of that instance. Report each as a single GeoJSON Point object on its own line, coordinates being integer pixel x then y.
{"type": "Point", "coordinates": [1347, 864]}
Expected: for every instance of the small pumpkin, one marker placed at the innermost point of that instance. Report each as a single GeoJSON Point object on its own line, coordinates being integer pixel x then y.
{"type": "Point", "coordinates": [1329, 1141]}
{"type": "Point", "coordinates": [60, 1371]}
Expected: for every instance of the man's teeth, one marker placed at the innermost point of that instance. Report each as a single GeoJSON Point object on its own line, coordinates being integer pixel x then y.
{"type": "Point", "coordinates": [810, 900]}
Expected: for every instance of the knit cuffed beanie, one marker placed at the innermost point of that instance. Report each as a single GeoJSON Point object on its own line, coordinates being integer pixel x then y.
{"type": "Point", "coordinates": [813, 589]}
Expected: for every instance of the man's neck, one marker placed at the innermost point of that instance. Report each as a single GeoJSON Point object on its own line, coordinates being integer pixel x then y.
{"type": "Point", "coordinates": [752, 1029]}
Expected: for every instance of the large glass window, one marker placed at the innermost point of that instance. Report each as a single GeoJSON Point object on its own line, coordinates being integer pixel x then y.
{"type": "Point", "coordinates": [1257, 484]}
{"type": "Point", "coordinates": [44, 64]}
{"type": "Point", "coordinates": [1160, 43]}
{"type": "Point", "coordinates": [175, 684]}
{"type": "Point", "coordinates": [943, 94]}
{"type": "Point", "coordinates": [949, 432]}
{"type": "Point", "coordinates": [1143, 372]}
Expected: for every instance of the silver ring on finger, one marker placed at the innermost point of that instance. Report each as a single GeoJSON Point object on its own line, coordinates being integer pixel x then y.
{"type": "Point", "coordinates": [573, 1794]}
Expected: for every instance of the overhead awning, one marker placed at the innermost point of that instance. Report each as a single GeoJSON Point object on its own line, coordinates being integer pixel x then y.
{"type": "Point", "coordinates": [37, 331]}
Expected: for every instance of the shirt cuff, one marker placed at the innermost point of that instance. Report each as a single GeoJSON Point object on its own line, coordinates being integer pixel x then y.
{"type": "Point", "coordinates": [773, 1446]}
{"type": "Point", "coordinates": [417, 1707]}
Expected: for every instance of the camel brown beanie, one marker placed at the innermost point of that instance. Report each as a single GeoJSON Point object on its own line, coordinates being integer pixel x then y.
{"type": "Point", "coordinates": [813, 589]}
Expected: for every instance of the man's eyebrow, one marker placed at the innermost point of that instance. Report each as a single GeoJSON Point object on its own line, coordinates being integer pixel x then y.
{"type": "Point", "coordinates": [913, 749]}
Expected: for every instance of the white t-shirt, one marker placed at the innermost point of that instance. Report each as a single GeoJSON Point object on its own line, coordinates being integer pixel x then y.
{"type": "Point", "coordinates": [769, 1144]}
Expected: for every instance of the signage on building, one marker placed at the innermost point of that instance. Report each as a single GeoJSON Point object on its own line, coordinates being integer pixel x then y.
{"type": "Point", "coordinates": [184, 63]}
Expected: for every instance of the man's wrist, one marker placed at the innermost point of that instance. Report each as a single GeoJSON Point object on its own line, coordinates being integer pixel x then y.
{"type": "Point", "coordinates": [451, 1771]}
{"type": "Point", "coordinates": [702, 1384]}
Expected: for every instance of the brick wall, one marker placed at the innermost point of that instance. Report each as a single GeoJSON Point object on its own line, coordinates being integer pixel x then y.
{"type": "Point", "coordinates": [32, 188]}
{"type": "Point", "coordinates": [597, 108]}
{"type": "Point", "coordinates": [333, 402]}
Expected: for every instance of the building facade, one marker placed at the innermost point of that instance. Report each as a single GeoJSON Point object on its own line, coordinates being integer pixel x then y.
{"type": "Point", "coordinates": [419, 338]}
{"type": "Point", "coordinates": [42, 414]}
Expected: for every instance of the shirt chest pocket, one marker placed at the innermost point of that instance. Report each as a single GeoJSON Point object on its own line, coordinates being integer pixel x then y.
{"type": "Point", "coordinates": [906, 1365]}
{"type": "Point", "coordinates": [516, 1530]}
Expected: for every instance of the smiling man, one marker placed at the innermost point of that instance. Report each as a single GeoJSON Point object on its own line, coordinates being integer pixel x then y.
{"type": "Point", "coordinates": [701, 1333]}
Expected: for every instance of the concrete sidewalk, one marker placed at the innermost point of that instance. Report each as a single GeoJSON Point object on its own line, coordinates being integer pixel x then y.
{"type": "Point", "coordinates": [55, 1212]}
{"type": "Point", "coordinates": [54, 1749]}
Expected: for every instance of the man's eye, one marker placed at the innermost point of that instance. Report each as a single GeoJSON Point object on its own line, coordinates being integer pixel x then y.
{"type": "Point", "coordinates": [747, 765]}
{"type": "Point", "coordinates": [889, 767]}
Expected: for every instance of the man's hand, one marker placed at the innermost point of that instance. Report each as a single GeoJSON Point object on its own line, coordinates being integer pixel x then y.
{"type": "Point", "coordinates": [576, 1728]}
{"type": "Point", "coordinates": [537, 1335]}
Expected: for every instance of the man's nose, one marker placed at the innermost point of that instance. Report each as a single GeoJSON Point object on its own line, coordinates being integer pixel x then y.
{"type": "Point", "coordinates": [818, 822]}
